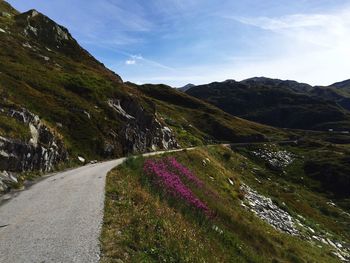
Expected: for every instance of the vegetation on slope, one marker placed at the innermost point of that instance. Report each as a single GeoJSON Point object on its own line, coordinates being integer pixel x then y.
{"type": "Point", "coordinates": [144, 222]}
{"type": "Point", "coordinates": [196, 122]}
{"type": "Point", "coordinates": [284, 104]}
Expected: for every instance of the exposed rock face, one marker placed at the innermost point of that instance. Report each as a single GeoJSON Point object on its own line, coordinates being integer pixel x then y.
{"type": "Point", "coordinates": [142, 131]}
{"type": "Point", "coordinates": [41, 153]}
{"type": "Point", "coordinates": [40, 26]}
{"type": "Point", "coordinates": [275, 159]}
{"type": "Point", "coordinates": [264, 208]}
{"type": "Point", "coordinates": [115, 104]}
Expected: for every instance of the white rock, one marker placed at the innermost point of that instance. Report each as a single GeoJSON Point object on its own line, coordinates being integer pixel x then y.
{"type": "Point", "coordinates": [230, 181]}
{"type": "Point", "coordinates": [217, 229]}
{"type": "Point", "coordinates": [331, 243]}
{"type": "Point", "coordinates": [35, 135]}
{"type": "Point", "coordinates": [311, 230]}
{"type": "Point", "coordinates": [166, 129]}
{"type": "Point", "coordinates": [81, 159]}
{"type": "Point", "coordinates": [87, 114]}
{"type": "Point", "coordinates": [118, 108]}
{"type": "Point", "coordinates": [63, 35]}
{"type": "Point", "coordinates": [4, 154]}
{"type": "Point", "coordinates": [264, 208]}
{"type": "Point", "coordinates": [34, 13]}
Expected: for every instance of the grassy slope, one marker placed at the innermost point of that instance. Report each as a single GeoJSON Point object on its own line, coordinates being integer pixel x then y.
{"type": "Point", "coordinates": [195, 121]}
{"type": "Point", "coordinates": [59, 90]}
{"type": "Point", "coordinates": [304, 193]}
{"type": "Point", "coordinates": [143, 225]}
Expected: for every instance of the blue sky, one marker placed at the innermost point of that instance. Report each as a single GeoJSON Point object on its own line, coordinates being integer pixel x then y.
{"type": "Point", "coordinates": [199, 41]}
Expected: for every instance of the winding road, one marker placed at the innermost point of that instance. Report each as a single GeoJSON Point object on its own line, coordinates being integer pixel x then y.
{"type": "Point", "coordinates": [57, 219]}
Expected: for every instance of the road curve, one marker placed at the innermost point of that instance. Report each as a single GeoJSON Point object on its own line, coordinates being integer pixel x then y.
{"type": "Point", "coordinates": [58, 219]}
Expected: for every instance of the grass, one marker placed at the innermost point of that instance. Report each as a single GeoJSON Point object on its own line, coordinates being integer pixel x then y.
{"type": "Point", "coordinates": [11, 128]}
{"type": "Point", "coordinates": [142, 224]}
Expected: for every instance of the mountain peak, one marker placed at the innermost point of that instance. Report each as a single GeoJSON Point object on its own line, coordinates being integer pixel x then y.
{"type": "Point", "coordinates": [33, 12]}
{"type": "Point", "coordinates": [230, 81]}
{"type": "Point", "coordinates": [342, 84]}
{"type": "Point", "coordinates": [287, 84]}
{"type": "Point", "coordinates": [187, 87]}
{"type": "Point", "coordinates": [37, 25]}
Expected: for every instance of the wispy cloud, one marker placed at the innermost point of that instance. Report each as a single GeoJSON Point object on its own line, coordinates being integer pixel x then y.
{"type": "Point", "coordinates": [139, 59]}
{"type": "Point", "coordinates": [328, 29]}
{"type": "Point", "coordinates": [130, 62]}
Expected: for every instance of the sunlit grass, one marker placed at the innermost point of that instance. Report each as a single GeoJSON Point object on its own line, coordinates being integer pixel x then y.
{"type": "Point", "coordinates": [144, 224]}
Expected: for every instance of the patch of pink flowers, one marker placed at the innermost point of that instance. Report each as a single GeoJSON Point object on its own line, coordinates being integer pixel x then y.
{"type": "Point", "coordinates": [171, 182]}
{"type": "Point", "coordinates": [184, 171]}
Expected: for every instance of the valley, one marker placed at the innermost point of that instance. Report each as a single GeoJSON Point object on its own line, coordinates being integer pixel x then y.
{"type": "Point", "coordinates": [94, 168]}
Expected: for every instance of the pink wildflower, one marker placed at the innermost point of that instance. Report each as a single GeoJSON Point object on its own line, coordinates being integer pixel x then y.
{"type": "Point", "coordinates": [184, 171]}
{"type": "Point", "coordinates": [172, 183]}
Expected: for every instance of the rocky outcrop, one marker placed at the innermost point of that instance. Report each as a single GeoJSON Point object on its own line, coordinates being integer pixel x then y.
{"type": "Point", "coordinates": [265, 209]}
{"type": "Point", "coordinates": [142, 131]}
{"type": "Point", "coordinates": [275, 159]}
{"type": "Point", "coordinates": [41, 153]}
{"type": "Point", "coordinates": [39, 26]}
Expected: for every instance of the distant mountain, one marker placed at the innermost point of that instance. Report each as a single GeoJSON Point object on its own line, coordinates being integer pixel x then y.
{"type": "Point", "coordinates": [277, 83]}
{"type": "Point", "coordinates": [186, 87]}
{"type": "Point", "coordinates": [342, 85]}
{"type": "Point", "coordinates": [339, 95]}
{"type": "Point", "coordinates": [280, 103]}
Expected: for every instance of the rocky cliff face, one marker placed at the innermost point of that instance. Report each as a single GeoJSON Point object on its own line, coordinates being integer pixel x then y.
{"type": "Point", "coordinates": [142, 131]}
{"type": "Point", "coordinates": [42, 152]}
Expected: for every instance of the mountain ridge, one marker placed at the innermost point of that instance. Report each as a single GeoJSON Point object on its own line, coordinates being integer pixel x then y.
{"type": "Point", "coordinates": [280, 103]}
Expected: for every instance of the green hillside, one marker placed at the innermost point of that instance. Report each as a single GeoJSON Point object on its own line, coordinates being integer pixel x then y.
{"type": "Point", "coordinates": [145, 221]}
{"type": "Point", "coordinates": [195, 121]}
{"type": "Point", "coordinates": [285, 104]}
